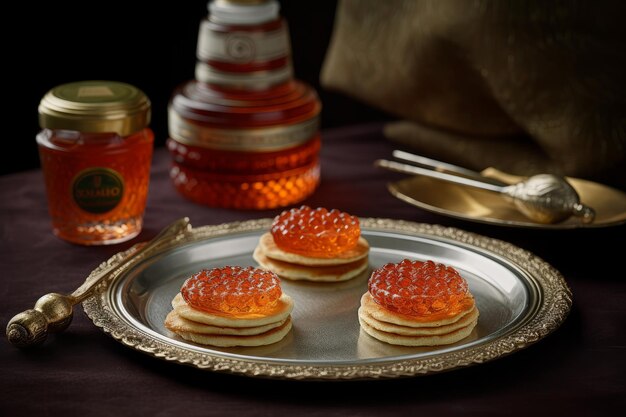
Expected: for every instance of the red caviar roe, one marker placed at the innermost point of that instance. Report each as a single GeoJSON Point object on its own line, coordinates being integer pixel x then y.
{"type": "Point", "coordinates": [232, 290]}
{"type": "Point", "coordinates": [418, 288]}
{"type": "Point", "coordinates": [317, 233]}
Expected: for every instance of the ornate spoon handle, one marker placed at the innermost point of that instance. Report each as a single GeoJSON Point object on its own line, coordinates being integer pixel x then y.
{"type": "Point", "coordinates": [410, 169]}
{"type": "Point", "coordinates": [445, 167]}
{"type": "Point", "coordinates": [53, 312]}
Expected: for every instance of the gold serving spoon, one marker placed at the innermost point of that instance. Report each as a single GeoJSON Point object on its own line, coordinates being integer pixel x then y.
{"type": "Point", "coordinates": [53, 312]}
{"type": "Point", "coordinates": [544, 198]}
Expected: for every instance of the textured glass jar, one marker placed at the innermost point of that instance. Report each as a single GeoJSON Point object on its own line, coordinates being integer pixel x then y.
{"type": "Point", "coordinates": [244, 134]}
{"type": "Point", "coordinates": [95, 148]}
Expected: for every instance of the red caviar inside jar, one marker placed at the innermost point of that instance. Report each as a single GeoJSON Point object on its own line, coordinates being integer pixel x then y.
{"type": "Point", "coordinates": [244, 134]}
{"type": "Point", "coordinates": [95, 150]}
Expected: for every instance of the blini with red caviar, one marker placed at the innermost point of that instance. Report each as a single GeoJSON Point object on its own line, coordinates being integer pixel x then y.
{"type": "Point", "coordinates": [314, 245]}
{"type": "Point", "coordinates": [231, 306]}
{"type": "Point", "coordinates": [414, 303]}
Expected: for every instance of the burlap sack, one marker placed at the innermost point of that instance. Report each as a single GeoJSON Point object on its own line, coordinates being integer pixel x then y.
{"type": "Point", "coordinates": [524, 86]}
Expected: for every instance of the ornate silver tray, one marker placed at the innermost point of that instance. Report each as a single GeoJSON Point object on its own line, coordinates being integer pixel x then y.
{"type": "Point", "coordinates": [520, 297]}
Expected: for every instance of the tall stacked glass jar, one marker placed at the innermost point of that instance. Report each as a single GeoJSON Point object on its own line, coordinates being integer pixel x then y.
{"type": "Point", "coordinates": [244, 134]}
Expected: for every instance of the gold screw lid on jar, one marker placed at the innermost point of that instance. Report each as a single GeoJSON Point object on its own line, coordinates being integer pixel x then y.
{"type": "Point", "coordinates": [96, 107]}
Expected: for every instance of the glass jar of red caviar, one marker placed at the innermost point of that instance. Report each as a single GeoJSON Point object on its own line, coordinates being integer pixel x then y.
{"type": "Point", "coordinates": [95, 148]}
{"type": "Point", "coordinates": [244, 134]}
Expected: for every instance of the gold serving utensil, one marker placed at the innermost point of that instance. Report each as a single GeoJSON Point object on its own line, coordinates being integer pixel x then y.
{"type": "Point", "coordinates": [53, 312]}
{"type": "Point", "coordinates": [544, 198]}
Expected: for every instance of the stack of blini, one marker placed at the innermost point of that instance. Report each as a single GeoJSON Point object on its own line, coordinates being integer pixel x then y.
{"type": "Point", "coordinates": [415, 303]}
{"type": "Point", "coordinates": [314, 245]}
{"type": "Point", "coordinates": [231, 306]}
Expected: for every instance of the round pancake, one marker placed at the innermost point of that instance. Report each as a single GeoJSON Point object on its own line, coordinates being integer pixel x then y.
{"type": "Point", "coordinates": [280, 312]}
{"type": "Point", "coordinates": [427, 340]}
{"type": "Point", "coordinates": [380, 313]}
{"type": "Point", "coordinates": [417, 331]}
{"type": "Point", "coordinates": [176, 323]}
{"type": "Point", "coordinates": [271, 336]}
{"type": "Point", "coordinates": [332, 273]}
{"type": "Point", "coordinates": [272, 251]}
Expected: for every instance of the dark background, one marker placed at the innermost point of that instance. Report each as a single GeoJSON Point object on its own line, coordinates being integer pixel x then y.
{"type": "Point", "coordinates": [148, 44]}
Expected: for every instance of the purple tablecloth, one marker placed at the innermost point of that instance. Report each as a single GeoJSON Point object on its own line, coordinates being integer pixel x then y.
{"type": "Point", "coordinates": [577, 370]}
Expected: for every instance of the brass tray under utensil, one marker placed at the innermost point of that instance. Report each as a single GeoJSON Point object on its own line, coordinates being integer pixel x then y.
{"type": "Point", "coordinates": [482, 206]}
{"type": "Point", "coordinates": [520, 297]}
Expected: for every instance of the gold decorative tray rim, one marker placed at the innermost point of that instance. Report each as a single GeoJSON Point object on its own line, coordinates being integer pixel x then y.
{"type": "Point", "coordinates": [553, 307]}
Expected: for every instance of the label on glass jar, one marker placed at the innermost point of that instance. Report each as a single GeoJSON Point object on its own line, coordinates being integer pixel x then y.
{"type": "Point", "coordinates": [241, 46]}
{"type": "Point", "coordinates": [98, 190]}
{"type": "Point", "coordinates": [266, 139]}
